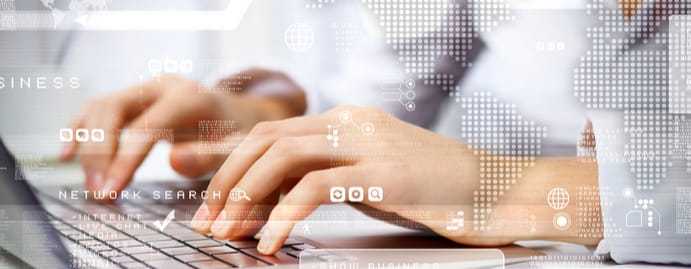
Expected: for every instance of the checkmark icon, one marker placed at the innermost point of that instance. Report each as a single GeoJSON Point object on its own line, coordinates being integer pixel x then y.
{"type": "Point", "coordinates": [162, 225]}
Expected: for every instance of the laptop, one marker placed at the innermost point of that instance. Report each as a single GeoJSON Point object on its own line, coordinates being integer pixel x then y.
{"type": "Point", "coordinates": [56, 227]}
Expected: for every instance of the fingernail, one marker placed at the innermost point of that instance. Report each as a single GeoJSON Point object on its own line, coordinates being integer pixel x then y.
{"type": "Point", "coordinates": [97, 180]}
{"type": "Point", "coordinates": [109, 186]}
{"type": "Point", "coordinates": [200, 221]}
{"type": "Point", "coordinates": [94, 180]}
{"type": "Point", "coordinates": [265, 242]}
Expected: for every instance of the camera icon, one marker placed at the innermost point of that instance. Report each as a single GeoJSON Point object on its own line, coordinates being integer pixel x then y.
{"type": "Point", "coordinates": [337, 194]}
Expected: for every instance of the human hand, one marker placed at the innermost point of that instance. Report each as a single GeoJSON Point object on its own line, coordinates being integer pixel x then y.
{"type": "Point", "coordinates": [418, 170]}
{"type": "Point", "coordinates": [169, 108]}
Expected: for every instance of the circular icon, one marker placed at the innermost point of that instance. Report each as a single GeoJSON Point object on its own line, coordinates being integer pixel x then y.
{"type": "Point", "coordinates": [345, 116]}
{"type": "Point", "coordinates": [561, 221]}
{"type": "Point", "coordinates": [410, 106]}
{"type": "Point", "coordinates": [368, 128]}
{"type": "Point", "coordinates": [299, 37]}
{"type": "Point", "coordinates": [410, 84]}
{"type": "Point", "coordinates": [410, 95]}
{"type": "Point", "coordinates": [558, 198]}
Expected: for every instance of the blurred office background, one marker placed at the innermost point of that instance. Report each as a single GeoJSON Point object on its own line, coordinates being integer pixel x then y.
{"type": "Point", "coordinates": [527, 61]}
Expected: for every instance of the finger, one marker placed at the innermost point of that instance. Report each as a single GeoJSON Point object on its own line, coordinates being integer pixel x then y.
{"type": "Point", "coordinates": [97, 152]}
{"type": "Point", "coordinates": [195, 159]}
{"type": "Point", "coordinates": [301, 201]}
{"type": "Point", "coordinates": [155, 124]}
{"type": "Point", "coordinates": [101, 121]}
{"type": "Point", "coordinates": [268, 173]}
{"type": "Point", "coordinates": [257, 217]}
{"type": "Point", "coordinates": [251, 149]}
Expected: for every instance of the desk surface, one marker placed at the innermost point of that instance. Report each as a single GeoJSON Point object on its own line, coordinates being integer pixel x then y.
{"type": "Point", "coordinates": [156, 168]}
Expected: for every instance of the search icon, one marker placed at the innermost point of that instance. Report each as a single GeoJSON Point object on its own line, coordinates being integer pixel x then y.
{"type": "Point", "coordinates": [238, 194]}
{"type": "Point", "coordinates": [375, 194]}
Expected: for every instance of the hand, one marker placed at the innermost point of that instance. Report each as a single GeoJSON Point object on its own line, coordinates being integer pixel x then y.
{"type": "Point", "coordinates": [416, 168]}
{"type": "Point", "coordinates": [168, 108]}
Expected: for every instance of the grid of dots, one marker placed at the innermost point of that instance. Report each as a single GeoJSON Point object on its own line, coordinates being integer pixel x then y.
{"type": "Point", "coordinates": [567, 261]}
{"type": "Point", "coordinates": [212, 134]}
{"type": "Point", "coordinates": [680, 65]}
{"type": "Point", "coordinates": [423, 32]}
{"type": "Point", "coordinates": [650, 133]}
{"type": "Point", "coordinates": [588, 212]}
{"type": "Point", "coordinates": [681, 144]}
{"type": "Point", "coordinates": [316, 4]}
{"type": "Point", "coordinates": [586, 146]}
{"type": "Point", "coordinates": [506, 144]}
{"type": "Point", "coordinates": [615, 74]}
{"type": "Point", "coordinates": [346, 34]}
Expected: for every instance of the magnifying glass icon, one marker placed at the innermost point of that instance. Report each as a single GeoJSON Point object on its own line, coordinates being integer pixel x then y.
{"type": "Point", "coordinates": [376, 194]}
{"type": "Point", "coordinates": [239, 194]}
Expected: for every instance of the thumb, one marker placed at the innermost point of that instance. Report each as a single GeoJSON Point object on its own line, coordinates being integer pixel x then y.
{"type": "Point", "coordinates": [196, 159]}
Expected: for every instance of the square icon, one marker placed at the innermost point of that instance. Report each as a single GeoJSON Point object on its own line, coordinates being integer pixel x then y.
{"type": "Point", "coordinates": [337, 194]}
{"type": "Point", "coordinates": [375, 194]}
{"type": "Point", "coordinates": [98, 135]}
{"type": "Point", "coordinates": [356, 194]}
{"type": "Point", "coordinates": [66, 135]}
{"type": "Point", "coordinates": [82, 135]}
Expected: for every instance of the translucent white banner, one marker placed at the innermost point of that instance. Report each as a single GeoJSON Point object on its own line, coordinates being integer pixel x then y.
{"type": "Point", "coordinates": [401, 258]}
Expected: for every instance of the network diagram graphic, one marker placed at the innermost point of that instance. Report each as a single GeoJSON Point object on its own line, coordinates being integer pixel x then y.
{"type": "Point", "coordinates": [345, 119]}
{"type": "Point", "coordinates": [506, 144]}
{"type": "Point", "coordinates": [637, 68]}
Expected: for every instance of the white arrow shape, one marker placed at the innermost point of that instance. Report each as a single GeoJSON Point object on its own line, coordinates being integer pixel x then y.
{"type": "Point", "coordinates": [226, 20]}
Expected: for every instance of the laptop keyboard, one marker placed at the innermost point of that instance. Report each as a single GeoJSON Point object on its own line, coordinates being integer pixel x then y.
{"type": "Point", "coordinates": [136, 243]}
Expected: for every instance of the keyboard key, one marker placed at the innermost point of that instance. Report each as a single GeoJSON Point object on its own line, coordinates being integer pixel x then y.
{"type": "Point", "coordinates": [240, 260]}
{"type": "Point", "coordinates": [110, 236]}
{"type": "Point", "coordinates": [303, 246]}
{"type": "Point", "coordinates": [165, 244]}
{"type": "Point", "coordinates": [204, 243]}
{"type": "Point", "coordinates": [292, 241]}
{"type": "Point", "coordinates": [134, 265]}
{"type": "Point", "coordinates": [278, 258]}
{"type": "Point", "coordinates": [186, 235]}
{"type": "Point", "coordinates": [243, 244]}
{"type": "Point", "coordinates": [89, 243]}
{"type": "Point", "coordinates": [152, 237]}
{"type": "Point", "coordinates": [213, 264]}
{"type": "Point", "coordinates": [137, 250]}
{"type": "Point", "coordinates": [193, 257]}
{"type": "Point", "coordinates": [79, 237]}
{"type": "Point", "coordinates": [122, 259]}
{"type": "Point", "coordinates": [168, 264]}
{"type": "Point", "coordinates": [218, 250]}
{"type": "Point", "coordinates": [100, 247]}
{"type": "Point", "coordinates": [151, 257]}
{"type": "Point", "coordinates": [179, 251]}
{"type": "Point", "coordinates": [125, 243]}
{"type": "Point", "coordinates": [110, 253]}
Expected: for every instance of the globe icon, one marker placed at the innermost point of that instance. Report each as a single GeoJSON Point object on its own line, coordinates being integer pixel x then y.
{"type": "Point", "coordinates": [558, 198]}
{"type": "Point", "coordinates": [299, 37]}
